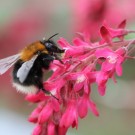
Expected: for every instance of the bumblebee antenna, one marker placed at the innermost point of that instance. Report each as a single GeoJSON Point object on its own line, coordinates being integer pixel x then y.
{"type": "Point", "coordinates": [53, 36]}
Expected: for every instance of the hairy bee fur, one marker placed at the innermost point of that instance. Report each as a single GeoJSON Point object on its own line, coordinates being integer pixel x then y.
{"type": "Point", "coordinates": [47, 52]}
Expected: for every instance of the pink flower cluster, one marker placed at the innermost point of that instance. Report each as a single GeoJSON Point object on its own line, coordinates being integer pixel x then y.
{"type": "Point", "coordinates": [71, 81]}
{"type": "Point", "coordinates": [90, 14]}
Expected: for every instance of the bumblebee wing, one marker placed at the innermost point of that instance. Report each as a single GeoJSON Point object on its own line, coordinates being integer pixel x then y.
{"type": "Point", "coordinates": [25, 68]}
{"type": "Point", "coordinates": [6, 63]}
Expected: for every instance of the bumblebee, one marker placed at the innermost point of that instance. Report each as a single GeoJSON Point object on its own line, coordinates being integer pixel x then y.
{"type": "Point", "coordinates": [29, 64]}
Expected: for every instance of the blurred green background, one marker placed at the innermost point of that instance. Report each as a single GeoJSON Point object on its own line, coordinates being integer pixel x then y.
{"type": "Point", "coordinates": [24, 21]}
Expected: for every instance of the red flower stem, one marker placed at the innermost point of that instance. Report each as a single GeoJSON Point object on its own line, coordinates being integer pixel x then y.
{"type": "Point", "coordinates": [118, 43]}
{"type": "Point", "coordinates": [130, 57]}
{"type": "Point", "coordinates": [131, 31]}
{"type": "Point", "coordinates": [131, 51]}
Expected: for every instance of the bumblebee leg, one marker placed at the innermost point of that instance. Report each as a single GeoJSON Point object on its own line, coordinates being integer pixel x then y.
{"type": "Point", "coordinates": [48, 93]}
{"type": "Point", "coordinates": [46, 60]}
{"type": "Point", "coordinates": [58, 58]}
{"type": "Point", "coordinates": [39, 84]}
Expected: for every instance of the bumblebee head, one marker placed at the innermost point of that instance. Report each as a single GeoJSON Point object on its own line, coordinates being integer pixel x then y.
{"type": "Point", "coordinates": [51, 46]}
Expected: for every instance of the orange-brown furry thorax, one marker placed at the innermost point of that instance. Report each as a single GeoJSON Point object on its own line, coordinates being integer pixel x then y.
{"type": "Point", "coordinates": [30, 50]}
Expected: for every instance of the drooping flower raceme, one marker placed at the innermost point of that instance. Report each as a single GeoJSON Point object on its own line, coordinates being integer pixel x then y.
{"type": "Point", "coordinates": [71, 80]}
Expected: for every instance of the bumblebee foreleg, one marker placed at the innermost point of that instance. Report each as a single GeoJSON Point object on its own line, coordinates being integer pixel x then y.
{"type": "Point", "coordinates": [57, 58]}
{"type": "Point", "coordinates": [46, 59]}
{"type": "Point", "coordinates": [48, 93]}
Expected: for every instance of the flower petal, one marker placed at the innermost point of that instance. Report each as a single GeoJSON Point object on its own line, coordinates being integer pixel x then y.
{"type": "Point", "coordinates": [105, 52]}
{"type": "Point", "coordinates": [101, 79]}
{"type": "Point", "coordinates": [70, 116]}
{"type": "Point", "coordinates": [122, 25]}
{"type": "Point", "coordinates": [45, 114]}
{"type": "Point", "coordinates": [34, 115]}
{"type": "Point", "coordinates": [119, 69]}
{"type": "Point", "coordinates": [93, 108]}
{"type": "Point", "coordinates": [82, 107]}
{"type": "Point", "coordinates": [79, 42]}
{"type": "Point", "coordinates": [63, 43]}
{"type": "Point", "coordinates": [51, 129]}
{"type": "Point", "coordinates": [37, 130]}
{"type": "Point", "coordinates": [105, 34]}
{"type": "Point", "coordinates": [40, 96]}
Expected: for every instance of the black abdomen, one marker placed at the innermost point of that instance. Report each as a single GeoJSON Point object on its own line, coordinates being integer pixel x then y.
{"type": "Point", "coordinates": [35, 74]}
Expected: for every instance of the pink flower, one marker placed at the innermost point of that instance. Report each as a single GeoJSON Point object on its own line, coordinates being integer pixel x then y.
{"type": "Point", "coordinates": [90, 14]}
{"type": "Point", "coordinates": [81, 80]}
{"type": "Point", "coordinates": [101, 80]}
{"type": "Point", "coordinates": [85, 103]}
{"type": "Point", "coordinates": [45, 114]}
{"type": "Point", "coordinates": [36, 97]}
{"type": "Point", "coordinates": [62, 130]}
{"type": "Point", "coordinates": [107, 33]}
{"type": "Point", "coordinates": [77, 50]}
{"type": "Point", "coordinates": [37, 130]}
{"type": "Point", "coordinates": [70, 117]}
{"type": "Point", "coordinates": [71, 81]}
{"type": "Point", "coordinates": [35, 114]}
{"type": "Point", "coordinates": [113, 60]}
{"type": "Point", "coordinates": [51, 129]}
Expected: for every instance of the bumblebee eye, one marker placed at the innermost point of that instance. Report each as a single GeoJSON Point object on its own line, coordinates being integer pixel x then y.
{"type": "Point", "coordinates": [48, 45]}
{"type": "Point", "coordinates": [51, 47]}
